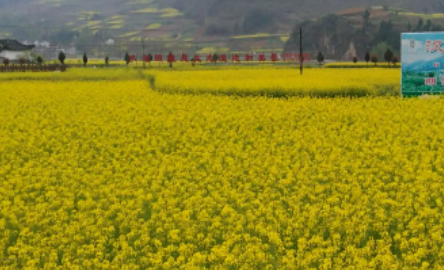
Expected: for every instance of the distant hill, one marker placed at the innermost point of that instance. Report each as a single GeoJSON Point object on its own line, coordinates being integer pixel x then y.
{"type": "Point", "coordinates": [346, 34]}
{"type": "Point", "coordinates": [186, 25]}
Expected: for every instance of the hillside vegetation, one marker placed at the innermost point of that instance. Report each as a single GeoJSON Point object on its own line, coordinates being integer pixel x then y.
{"type": "Point", "coordinates": [177, 24]}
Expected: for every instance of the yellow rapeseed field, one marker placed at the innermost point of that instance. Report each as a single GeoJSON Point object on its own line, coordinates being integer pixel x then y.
{"type": "Point", "coordinates": [113, 175]}
{"type": "Point", "coordinates": [280, 82]}
{"type": "Point", "coordinates": [362, 65]}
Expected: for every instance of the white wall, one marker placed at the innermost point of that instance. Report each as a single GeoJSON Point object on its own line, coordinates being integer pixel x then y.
{"type": "Point", "coordinates": [13, 55]}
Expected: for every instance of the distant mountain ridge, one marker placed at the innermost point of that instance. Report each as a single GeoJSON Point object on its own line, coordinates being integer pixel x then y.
{"type": "Point", "coordinates": [203, 25]}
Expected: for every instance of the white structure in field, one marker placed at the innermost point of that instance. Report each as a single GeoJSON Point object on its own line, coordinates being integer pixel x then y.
{"type": "Point", "coordinates": [14, 50]}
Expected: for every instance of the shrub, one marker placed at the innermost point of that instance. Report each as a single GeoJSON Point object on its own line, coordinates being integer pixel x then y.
{"type": "Point", "coordinates": [320, 58]}
{"type": "Point", "coordinates": [374, 59]}
{"type": "Point", "coordinates": [62, 58]}
{"type": "Point", "coordinates": [22, 61]}
{"type": "Point", "coordinates": [39, 60]}
{"type": "Point", "coordinates": [355, 59]}
{"type": "Point", "coordinates": [6, 61]}
{"type": "Point", "coordinates": [395, 59]}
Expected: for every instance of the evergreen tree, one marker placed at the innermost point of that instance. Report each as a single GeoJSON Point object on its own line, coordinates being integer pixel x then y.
{"type": "Point", "coordinates": [127, 58]}
{"type": "Point", "coordinates": [215, 58]}
{"type": "Point", "coordinates": [367, 57]}
{"type": "Point", "coordinates": [106, 60]}
{"type": "Point", "coordinates": [428, 26]}
{"type": "Point", "coordinates": [388, 56]}
{"type": "Point", "coordinates": [419, 26]}
{"type": "Point", "coordinates": [62, 57]}
{"type": "Point", "coordinates": [320, 58]}
{"type": "Point", "coordinates": [39, 60]}
{"type": "Point", "coordinates": [85, 59]}
{"type": "Point", "coordinates": [366, 17]}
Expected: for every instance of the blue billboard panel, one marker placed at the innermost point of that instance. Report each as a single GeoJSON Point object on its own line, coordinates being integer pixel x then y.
{"type": "Point", "coordinates": [422, 63]}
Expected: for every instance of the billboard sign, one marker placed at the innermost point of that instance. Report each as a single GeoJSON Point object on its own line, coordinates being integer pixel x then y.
{"type": "Point", "coordinates": [422, 63]}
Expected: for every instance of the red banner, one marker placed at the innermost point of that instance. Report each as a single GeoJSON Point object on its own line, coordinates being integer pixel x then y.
{"type": "Point", "coordinates": [261, 57]}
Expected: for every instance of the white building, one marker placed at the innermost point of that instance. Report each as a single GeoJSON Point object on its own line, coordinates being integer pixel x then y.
{"type": "Point", "coordinates": [14, 50]}
{"type": "Point", "coordinates": [44, 44]}
{"type": "Point", "coordinates": [110, 42]}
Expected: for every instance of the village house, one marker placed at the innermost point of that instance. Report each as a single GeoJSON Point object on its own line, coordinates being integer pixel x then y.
{"type": "Point", "coordinates": [14, 50]}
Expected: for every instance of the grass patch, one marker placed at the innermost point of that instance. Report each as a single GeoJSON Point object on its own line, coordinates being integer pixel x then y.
{"type": "Point", "coordinates": [171, 15]}
{"type": "Point", "coordinates": [129, 34]}
{"type": "Point", "coordinates": [140, 2]}
{"type": "Point", "coordinates": [88, 13]}
{"type": "Point", "coordinates": [259, 35]}
{"type": "Point", "coordinates": [153, 26]}
{"type": "Point", "coordinates": [117, 26]}
{"type": "Point", "coordinates": [146, 10]}
{"type": "Point", "coordinates": [93, 23]}
{"type": "Point", "coordinates": [213, 50]}
{"type": "Point", "coordinates": [425, 16]}
{"type": "Point", "coordinates": [119, 21]}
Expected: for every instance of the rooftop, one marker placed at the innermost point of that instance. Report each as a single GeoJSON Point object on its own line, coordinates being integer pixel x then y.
{"type": "Point", "coordinates": [14, 45]}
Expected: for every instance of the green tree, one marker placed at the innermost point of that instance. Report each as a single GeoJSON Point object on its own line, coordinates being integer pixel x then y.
{"type": "Point", "coordinates": [428, 26]}
{"type": "Point", "coordinates": [127, 58]}
{"type": "Point", "coordinates": [107, 60]}
{"type": "Point", "coordinates": [85, 59]}
{"type": "Point", "coordinates": [380, 49]}
{"type": "Point", "coordinates": [39, 60]}
{"type": "Point", "coordinates": [367, 57]}
{"type": "Point", "coordinates": [388, 56]}
{"type": "Point", "coordinates": [366, 17]}
{"type": "Point", "coordinates": [355, 59]}
{"type": "Point", "coordinates": [62, 57]}
{"type": "Point", "coordinates": [437, 28]}
{"type": "Point", "coordinates": [320, 58]}
{"type": "Point", "coordinates": [374, 59]}
{"type": "Point", "coordinates": [420, 25]}
{"type": "Point", "coordinates": [384, 33]}
{"type": "Point", "coordinates": [215, 58]}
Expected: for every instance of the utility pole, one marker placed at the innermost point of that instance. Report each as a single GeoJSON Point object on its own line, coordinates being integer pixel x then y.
{"type": "Point", "coordinates": [300, 51]}
{"type": "Point", "coordinates": [143, 53]}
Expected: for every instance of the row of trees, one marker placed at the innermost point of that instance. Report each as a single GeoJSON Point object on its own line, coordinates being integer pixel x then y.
{"type": "Point", "coordinates": [389, 57]}
{"type": "Point", "coordinates": [62, 58]}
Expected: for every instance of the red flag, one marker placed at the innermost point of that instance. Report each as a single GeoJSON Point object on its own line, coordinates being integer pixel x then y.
{"type": "Point", "coordinates": [262, 57]}
{"type": "Point", "coordinates": [158, 57]}
{"type": "Point", "coordinates": [274, 57]}
{"type": "Point", "coordinates": [223, 58]}
{"type": "Point", "coordinates": [170, 58]}
{"type": "Point", "coordinates": [197, 58]}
